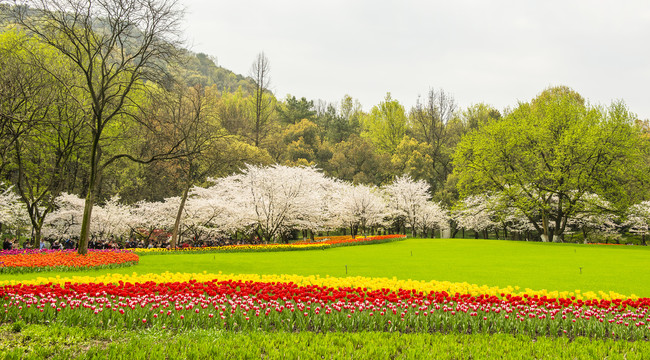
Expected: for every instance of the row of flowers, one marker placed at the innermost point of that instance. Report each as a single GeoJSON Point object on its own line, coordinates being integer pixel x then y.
{"type": "Point", "coordinates": [367, 283]}
{"type": "Point", "coordinates": [296, 246]}
{"type": "Point", "coordinates": [286, 306]}
{"type": "Point", "coordinates": [233, 248]}
{"type": "Point", "coordinates": [18, 261]}
{"type": "Point", "coordinates": [348, 240]}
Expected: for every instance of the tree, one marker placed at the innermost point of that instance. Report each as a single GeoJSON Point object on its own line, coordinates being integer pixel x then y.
{"type": "Point", "coordinates": [553, 149]}
{"type": "Point", "coordinates": [479, 115]}
{"type": "Point", "coordinates": [294, 110]}
{"type": "Point", "coordinates": [414, 158]}
{"type": "Point", "coordinates": [429, 118]}
{"type": "Point", "coordinates": [408, 198]}
{"type": "Point", "coordinates": [275, 199]}
{"type": "Point", "coordinates": [385, 126]}
{"type": "Point", "coordinates": [13, 212]}
{"type": "Point", "coordinates": [476, 213]}
{"type": "Point", "coordinates": [359, 207]}
{"type": "Point", "coordinates": [263, 100]}
{"type": "Point", "coordinates": [356, 160]}
{"type": "Point", "coordinates": [638, 220]}
{"type": "Point", "coordinates": [114, 45]}
{"type": "Point", "coordinates": [433, 216]}
{"type": "Point", "coordinates": [42, 126]}
{"type": "Point", "coordinates": [65, 221]}
{"type": "Point", "coordinates": [430, 122]}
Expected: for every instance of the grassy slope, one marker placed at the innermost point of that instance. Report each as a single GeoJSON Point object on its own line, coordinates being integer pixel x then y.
{"type": "Point", "coordinates": [622, 269]}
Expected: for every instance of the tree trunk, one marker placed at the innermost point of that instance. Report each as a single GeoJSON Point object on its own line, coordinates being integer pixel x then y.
{"type": "Point", "coordinates": [85, 223]}
{"type": "Point", "coordinates": [179, 214]}
{"type": "Point", "coordinates": [544, 236]}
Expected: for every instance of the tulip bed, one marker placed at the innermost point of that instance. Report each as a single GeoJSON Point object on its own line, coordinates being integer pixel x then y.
{"type": "Point", "coordinates": [231, 248]}
{"type": "Point", "coordinates": [285, 306]}
{"type": "Point", "coordinates": [20, 261]}
{"type": "Point", "coordinates": [296, 246]}
{"type": "Point", "coordinates": [349, 241]}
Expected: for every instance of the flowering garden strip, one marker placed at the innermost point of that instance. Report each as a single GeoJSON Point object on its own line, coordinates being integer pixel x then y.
{"type": "Point", "coordinates": [232, 249]}
{"type": "Point", "coordinates": [64, 260]}
{"type": "Point", "coordinates": [296, 246]}
{"type": "Point", "coordinates": [360, 240]}
{"type": "Point", "coordinates": [285, 306]}
{"type": "Point", "coordinates": [371, 284]}
{"type": "Point", "coordinates": [62, 342]}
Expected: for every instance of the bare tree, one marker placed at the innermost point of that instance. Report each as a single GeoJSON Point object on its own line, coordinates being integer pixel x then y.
{"type": "Point", "coordinates": [430, 120]}
{"type": "Point", "coordinates": [262, 98]}
{"type": "Point", "coordinates": [115, 45]}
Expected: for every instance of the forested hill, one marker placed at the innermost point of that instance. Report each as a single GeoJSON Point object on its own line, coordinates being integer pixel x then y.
{"type": "Point", "coordinates": [202, 68]}
{"type": "Point", "coordinates": [206, 72]}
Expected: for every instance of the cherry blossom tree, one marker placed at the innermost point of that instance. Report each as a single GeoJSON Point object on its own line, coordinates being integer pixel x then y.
{"type": "Point", "coordinates": [638, 220]}
{"type": "Point", "coordinates": [65, 220]}
{"type": "Point", "coordinates": [407, 198]}
{"type": "Point", "coordinates": [13, 212]}
{"type": "Point", "coordinates": [595, 218]}
{"type": "Point", "coordinates": [277, 198]}
{"type": "Point", "coordinates": [149, 217]}
{"type": "Point", "coordinates": [475, 213]}
{"type": "Point", "coordinates": [433, 216]}
{"type": "Point", "coordinates": [358, 206]}
{"type": "Point", "coordinates": [111, 219]}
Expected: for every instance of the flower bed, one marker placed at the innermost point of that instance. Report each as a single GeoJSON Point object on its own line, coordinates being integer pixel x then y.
{"type": "Point", "coordinates": [361, 240]}
{"type": "Point", "coordinates": [296, 246]}
{"type": "Point", "coordinates": [18, 261]}
{"type": "Point", "coordinates": [234, 248]}
{"type": "Point", "coordinates": [286, 306]}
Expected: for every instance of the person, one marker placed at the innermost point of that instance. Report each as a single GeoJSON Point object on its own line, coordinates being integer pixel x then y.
{"type": "Point", "coordinates": [42, 244]}
{"type": "Point", "coordinates": [6, 244]}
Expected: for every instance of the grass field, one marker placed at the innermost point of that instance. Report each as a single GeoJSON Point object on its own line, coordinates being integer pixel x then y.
{"type": "Point", "coordinates": [562, 267]}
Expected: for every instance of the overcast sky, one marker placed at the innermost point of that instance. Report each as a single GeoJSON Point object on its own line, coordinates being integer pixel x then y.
{"type": "Point", "coordinates": [497, 52]}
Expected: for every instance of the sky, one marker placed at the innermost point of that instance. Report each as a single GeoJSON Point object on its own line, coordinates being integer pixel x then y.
{"type": "Point", "coordinates": [490, 51]}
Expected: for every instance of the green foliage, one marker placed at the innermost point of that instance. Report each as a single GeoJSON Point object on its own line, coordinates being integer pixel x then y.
{"type": "Point", "coordinates": [206, 72]}
{"type": "Point", "coordinates": [293, 111]}
{"type": "Point", "coordinates": [385, 126]}
{"type": "Point", "coordinates": [61, 342]}
{"type": "Point", "coordinates": [554, 147]}
{"type": "Point", "coordinates": [357, 161]}
{"type": "Point", "coordinates": [479, 115]}
{"type": "Point", "coordinates": [414, 158]}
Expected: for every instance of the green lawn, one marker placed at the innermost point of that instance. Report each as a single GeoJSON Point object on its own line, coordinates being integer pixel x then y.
{"type": "Point", "coordinates": [623, 269]}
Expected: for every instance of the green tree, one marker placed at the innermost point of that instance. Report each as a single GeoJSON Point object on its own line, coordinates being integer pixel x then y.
{"type": "Point", "coordinates": [356, 160]}
{"type": "Point", "coordinates": [114, 45]}
{"type": "Point", "coordinates": [548, 154]}
{"type": "Point", "coordinates": [293, 110]}
{"type": "Point", "coordinates": [41, 127]}
{"type": "Point", "coordinates": [385, 126]}
{"type": "Point", "coordinates": [413, 158]}
{"type": "Point", "coordinates": [234, 112]}
{"type": "Point", "coordinates": [479, 115]}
